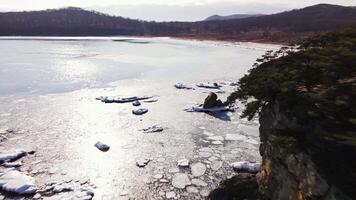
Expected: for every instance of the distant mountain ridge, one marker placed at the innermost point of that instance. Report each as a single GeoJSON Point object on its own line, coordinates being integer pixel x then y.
{"type": "Point", "coordinates": [228, 17]}
{"type": "Point", "coordinates": [282, 27]}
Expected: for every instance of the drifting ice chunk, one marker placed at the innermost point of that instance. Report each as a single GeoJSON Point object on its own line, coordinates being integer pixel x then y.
{"type": "Point", "coordinates": [108, 99]}
{"type": "Point", "coordinates": [244, 166]}
{"type": "Point", "coordinates": [209, 85]}
{"type": "Point", "coordinates": [139, 111]}
{"type": "Point", "coordinates": [136, 103]}
{"type": "Point", "coordinates": [17, 182]}
{"type": "Point", "coordinates": [102, 146]}
{"type": "Point", "coordinates": [200, 108]}
{"type": "Point", "coordinates": [182, 86]}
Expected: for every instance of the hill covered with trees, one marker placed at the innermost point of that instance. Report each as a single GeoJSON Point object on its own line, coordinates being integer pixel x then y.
{"type": "Point", "coordinates": [281, 27]}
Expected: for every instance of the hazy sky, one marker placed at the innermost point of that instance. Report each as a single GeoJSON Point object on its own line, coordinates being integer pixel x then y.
{"type": "Point", "coordinates": [168, 10]}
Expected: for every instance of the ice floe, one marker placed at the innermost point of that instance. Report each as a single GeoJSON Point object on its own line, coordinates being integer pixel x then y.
{"type": "Point", "coordinates": [17, 182]}
{"type": "Point", "coordinates": [102, 147]}
{"type": "Point", "coordinates": [245, 166]}
{"type": "Point", "coordinates": [199, 182]}
{"type": "Point", "coordinates": [198, 169]}
{"type": "Point", "coordinates": [180, 180]}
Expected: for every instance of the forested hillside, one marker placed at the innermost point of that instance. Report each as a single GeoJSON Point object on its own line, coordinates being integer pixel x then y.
{"type": "Point", "coordinates": [282, 27]}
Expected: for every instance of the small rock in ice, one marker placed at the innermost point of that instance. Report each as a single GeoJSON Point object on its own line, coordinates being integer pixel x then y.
{"type": "Point", "coordinates": [136, 103]}
{"type": "Point", "coordinates": [199, 182]}
{"type": "Point", "coordinates": [17, 182]}
{"type": "Point", "coordinates": [245, 166]}
{"type": "Point", "coordinates": [170, 195]}
{"type": "Point", "coordinates": [183, 163]}
{"type": "Point", "coordinates": [142, 162]}
{"type": "Point", "coordinates": [180, 181]}
{"type": "Point", "coordinates": [192, 189]}
{"type": "Point", "coordinates": [102, 146]}
{"type": "Point", "coordinates": [139, 111]}
{"type": "Point", "coordinates": [198, 169]}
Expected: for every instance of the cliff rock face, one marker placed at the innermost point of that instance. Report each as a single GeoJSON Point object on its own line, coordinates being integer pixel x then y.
{"type": "Point", "coordinates": [288, 172]}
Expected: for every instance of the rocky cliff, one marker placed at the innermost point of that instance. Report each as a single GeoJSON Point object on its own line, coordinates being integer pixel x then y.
{"type": "Point", "coordinates": [288, 171]}
{"type": "Point", "coordinates": [304, 97]}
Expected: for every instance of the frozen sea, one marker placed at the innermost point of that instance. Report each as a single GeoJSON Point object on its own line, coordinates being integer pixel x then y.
{"type": "Point", "coordinates": [48, 87]}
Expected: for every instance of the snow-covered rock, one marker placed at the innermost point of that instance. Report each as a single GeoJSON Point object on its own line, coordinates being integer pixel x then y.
{"type": "Point", "coordinates": [183, 163]}
{"type": "Point", "coordinates": [136, 103]}
{"type": "Point", "coordinates": [209, 85]}
{"type": "Point", "coordinates": [12, 155]}
{"type": "Point", "coordinates": [142, 162]}
{"type": "Point", "coordinates": [11, 164]}
{"type": "Point", "coordinates": [182, 86]}
{"type": "Point", "coordinates": [17, 182]}
{"type": "Point", "coordinates": [245, 166]}
{"type": "Point", "coordinates": [139, 111]}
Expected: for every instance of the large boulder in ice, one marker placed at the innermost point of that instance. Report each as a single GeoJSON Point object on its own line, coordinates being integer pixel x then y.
{"type": "Point", "coordinates": [17, 182]}
{"type": "Point", "coordinates": [212, 101]}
